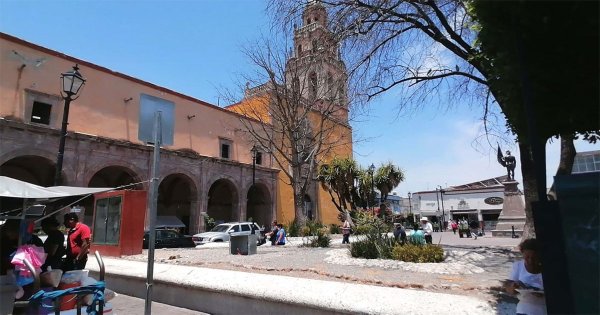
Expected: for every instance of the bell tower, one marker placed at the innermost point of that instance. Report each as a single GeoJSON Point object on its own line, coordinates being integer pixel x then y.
{"type": "Point", "coordinates": [315, 66]}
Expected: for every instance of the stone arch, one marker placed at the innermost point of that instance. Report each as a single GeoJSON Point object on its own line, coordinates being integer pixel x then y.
{"type": "Point", "coordinates": [33, 169]}
{"type": "Point", "coordinates": [23, 158]}
{"type": "Point", "coordinates": [259, 204]}
{"type": "Point", "coordinates": [115, 175]}
{"type": "Point", "coordinates": [134, 172]}
{"type": "Point", "coordinates": [177, 196]}
{"type": "Point", "coordinates": [223, 199]}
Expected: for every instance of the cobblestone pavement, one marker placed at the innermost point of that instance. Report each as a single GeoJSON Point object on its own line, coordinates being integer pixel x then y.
{"type": "Point", "coordinates": [472, 267]}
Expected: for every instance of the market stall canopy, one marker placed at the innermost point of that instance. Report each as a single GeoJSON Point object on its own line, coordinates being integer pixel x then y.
{"type": "Point", "coordinates": [10, 187]}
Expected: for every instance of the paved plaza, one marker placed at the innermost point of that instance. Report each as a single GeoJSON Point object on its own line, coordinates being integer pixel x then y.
{"type": "Point", "coordinates": [473, 268]}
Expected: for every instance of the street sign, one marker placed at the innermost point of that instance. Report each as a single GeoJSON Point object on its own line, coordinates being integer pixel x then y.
{"type": "Point", "coordinates": [148, 106]}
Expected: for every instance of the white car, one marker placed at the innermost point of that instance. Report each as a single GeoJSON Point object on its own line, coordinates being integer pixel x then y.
{"type": "Point", "coordinates": [222, 232]}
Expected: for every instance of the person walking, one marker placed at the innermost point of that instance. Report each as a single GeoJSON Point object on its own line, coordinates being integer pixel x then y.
{"type": "Point", "coordinates": [454, 226]}
{"type": "Point", "coordinates": [427, 230]}
{"type": "Point", "coordinates": [346, 232]}
{"type": "Point", "coordinates": [78, 243]}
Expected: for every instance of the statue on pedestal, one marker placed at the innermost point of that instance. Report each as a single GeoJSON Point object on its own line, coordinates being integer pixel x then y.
{"type": "Point", "coordinates": [509, 162]}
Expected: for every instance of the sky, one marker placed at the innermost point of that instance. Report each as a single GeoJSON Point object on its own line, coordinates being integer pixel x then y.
{"type": "Point", "coordinates": [195, 47]}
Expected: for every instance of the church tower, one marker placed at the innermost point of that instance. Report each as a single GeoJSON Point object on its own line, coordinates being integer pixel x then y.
{"type": "Point", "coordinates": [315, 66]}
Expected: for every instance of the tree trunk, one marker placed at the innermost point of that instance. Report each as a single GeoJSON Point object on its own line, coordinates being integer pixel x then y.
{"type": "Point", "coordinates": [529, 188]}
{"type": "Point", "coordinates": [567, 159]}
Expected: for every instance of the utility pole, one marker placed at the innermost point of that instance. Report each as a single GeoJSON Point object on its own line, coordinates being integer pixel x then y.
{"type": "Point", "coordinates": [443, 211]}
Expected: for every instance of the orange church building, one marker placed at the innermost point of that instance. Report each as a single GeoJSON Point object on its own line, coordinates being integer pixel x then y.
{"type": "Point", "coordinates": [207, 170]}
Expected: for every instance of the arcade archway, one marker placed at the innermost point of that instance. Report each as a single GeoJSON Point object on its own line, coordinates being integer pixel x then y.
{"type": "Point", "coordinates": [115, 176]}
{"type": "Point", "coordinates": [223, 201]}
{"type": "Point", "coordinates": [258, 204]}
{"type": "Point", "coordinates": [176, 196]}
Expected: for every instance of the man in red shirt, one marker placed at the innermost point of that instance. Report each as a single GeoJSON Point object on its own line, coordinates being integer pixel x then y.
{"type": "Point", "coordinates": [78, 243]}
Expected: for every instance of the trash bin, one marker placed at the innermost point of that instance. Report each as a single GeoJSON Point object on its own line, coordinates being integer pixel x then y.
{"type": "Point", "coordinates": [242, 244]}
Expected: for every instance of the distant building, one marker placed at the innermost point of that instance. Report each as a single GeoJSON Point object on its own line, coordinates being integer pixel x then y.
{"type": "Point", "coordinates": [478, 201]}
{"type": "Point", "coordinates": [586, 162]}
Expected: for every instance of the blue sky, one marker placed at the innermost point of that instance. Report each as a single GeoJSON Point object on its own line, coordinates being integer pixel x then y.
{"type": "Point", "coordinates": [194, 47]}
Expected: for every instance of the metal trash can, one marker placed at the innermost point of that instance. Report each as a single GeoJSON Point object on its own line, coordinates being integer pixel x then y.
{"type": "Point", "coordinates": [242, 244]}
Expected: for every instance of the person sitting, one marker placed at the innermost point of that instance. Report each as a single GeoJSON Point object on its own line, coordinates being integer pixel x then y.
{"type": "Point", "coordinates": [526, 280]}
{"type": "Point", "coordinates": [399, 233]}
{"type": "Point", "coordinates": [272, 235]}
{"type": "Point", "coordinates": [280, 235]}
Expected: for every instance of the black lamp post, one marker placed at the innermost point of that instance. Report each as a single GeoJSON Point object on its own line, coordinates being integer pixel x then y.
{"type": "Point", "coordinates": [254, 151]}
{"type": "Point", "coordinates": [72, 82]}
{"type": "Point", "coordinates": [371, 171]}
{"type": "Point", "coordinates": [409, 203]}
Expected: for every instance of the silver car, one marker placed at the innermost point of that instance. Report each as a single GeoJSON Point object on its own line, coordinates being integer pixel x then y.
{"type": "Point", "coordinates": [222, 232]}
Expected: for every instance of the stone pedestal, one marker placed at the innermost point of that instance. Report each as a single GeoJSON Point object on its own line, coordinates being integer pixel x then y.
{"type": "Point", "coordinates": [513, 212]}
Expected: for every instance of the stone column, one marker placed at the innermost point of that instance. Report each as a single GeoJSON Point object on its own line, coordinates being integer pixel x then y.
{"type": "Point", "coordinates": [513, 212]}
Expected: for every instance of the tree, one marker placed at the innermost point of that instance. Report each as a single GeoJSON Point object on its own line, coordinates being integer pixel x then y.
{"type": "Point", "coordinates": [394, 43]}
{"type": "Point", "coordinates": [339, 178]}
{"type": "Point", "coordinates": [292, 119]}
{"type": "Point", "coordinates": [388, 177]}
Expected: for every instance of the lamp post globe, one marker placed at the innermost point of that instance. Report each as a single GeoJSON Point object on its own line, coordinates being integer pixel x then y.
{"type": "Point", "coordinates": [72, 83]}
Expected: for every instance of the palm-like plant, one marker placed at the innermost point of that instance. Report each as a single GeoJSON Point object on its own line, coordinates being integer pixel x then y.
{"type": "Point", "coordinates": [388, 177]}
{"type": "Point", "coordinates": [338, 178]}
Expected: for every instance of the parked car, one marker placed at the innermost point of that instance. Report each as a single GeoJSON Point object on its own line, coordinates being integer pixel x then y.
{"type": "Point", "coordinates": [169, 239]}
{"type": "Point", "coordinates": [222, 232]}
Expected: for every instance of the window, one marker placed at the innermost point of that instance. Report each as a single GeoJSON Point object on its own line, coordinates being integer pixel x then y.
{"type": "Point", "coordinates": [38, 108]}
{"type": "Point", "coordinates": [235, 228]}
{"type": "Point", "coordinates": [259, 160]}
{"type": "Point", "coordinates": [245, 227]}
{"type": "Point", "coordinates": [107, 224]}
{"type": "Point", "coordinates": [225, 148]}
{"type": "Point", "coordinates": [313, 85]}
{"type": "Point", "coordinates": [40, 113]}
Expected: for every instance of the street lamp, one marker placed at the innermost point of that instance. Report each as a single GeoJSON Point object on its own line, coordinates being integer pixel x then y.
{"type": "Point", "coordinates": [254, 151]}
{"type": "Point", "coordinates": [409, 203]}
{"type": "Point", "coordinates": [72, 82]}
{"type": "Point", "coordinates": [371, 171]}
{"type": "Point", "coordinates": [443, 211]}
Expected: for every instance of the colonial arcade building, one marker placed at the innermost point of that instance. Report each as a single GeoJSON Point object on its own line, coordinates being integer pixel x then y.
{"type": "Point", "coordinates": [208, 169]}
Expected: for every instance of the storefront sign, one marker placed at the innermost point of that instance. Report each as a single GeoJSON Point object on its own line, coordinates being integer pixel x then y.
{"type": "Point", "coordinates": [493, 200]}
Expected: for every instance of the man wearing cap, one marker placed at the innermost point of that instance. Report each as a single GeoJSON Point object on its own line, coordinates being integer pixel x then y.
{"type": "Point", "coordinates": [427, 230]}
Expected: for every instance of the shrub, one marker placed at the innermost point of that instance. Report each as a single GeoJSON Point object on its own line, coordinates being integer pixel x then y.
{"type": "Point", "coordinates": [363, 249]}
{"type": "Point", "coordinates": [335, 229]}
{"type": "Point", "coordinates": [209, 222]}
{"type": "Point", "coordinates": [292, 229]}
{"type": "Point", "coordinates": [417, 253]}
{"type": "Point", "coordinates": [315, 234]}
{"type": "Point", "coordinates": [376, 242]}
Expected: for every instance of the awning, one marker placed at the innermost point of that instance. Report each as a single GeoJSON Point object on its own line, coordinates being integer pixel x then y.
{"type": "Point", "coordinates": [10, 187]}
{"type": "Point", "coordinates": [168, 221]}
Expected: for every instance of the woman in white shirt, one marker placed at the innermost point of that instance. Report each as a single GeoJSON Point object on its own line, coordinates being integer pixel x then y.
{"type": "Point", "coordinates": [526, 280]}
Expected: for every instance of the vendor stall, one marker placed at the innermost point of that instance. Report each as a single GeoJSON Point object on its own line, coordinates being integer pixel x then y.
{"type": "Point", "coordinates": [21, 277]}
